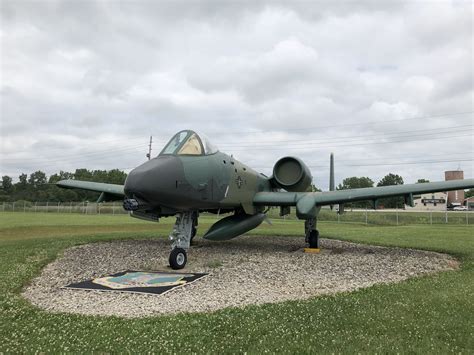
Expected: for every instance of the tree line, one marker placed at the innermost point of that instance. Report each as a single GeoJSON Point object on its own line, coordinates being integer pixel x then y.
{"type": "Point", "coordinates": [355, 182]}
{"type": "Point", "coordinates": [390, 179]}
{"type": "Point", "coordinates": [38, 187]}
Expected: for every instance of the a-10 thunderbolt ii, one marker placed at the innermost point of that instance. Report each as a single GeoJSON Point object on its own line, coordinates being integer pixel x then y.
{"type": "Point", "coordinates": [191, 175]}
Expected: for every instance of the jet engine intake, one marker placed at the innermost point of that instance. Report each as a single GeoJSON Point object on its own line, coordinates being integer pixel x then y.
{"type": "Point", "coordinates": [291, 174]}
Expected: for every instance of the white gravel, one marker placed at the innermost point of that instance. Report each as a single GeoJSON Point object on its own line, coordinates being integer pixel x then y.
{"type": "Point", "coordinates": [247, 270]}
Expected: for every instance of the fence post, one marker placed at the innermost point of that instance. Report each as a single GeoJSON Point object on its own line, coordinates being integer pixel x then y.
{"type": "Point", "coordinates": [366, 216]}
{"type": "Point", "coordinates": [3, 207]}
{"type": "Point", "coordinates": [58, 206]}
{"type": "Point", "coordinates": [113, 208]}
{"type": "Point", "coordinates": [47, 206]}
{"type": "Point", "coordinates": [24, 206]}
{"type": "Point", "coordinates": [36, 206]}
{"type": "Point", "coordinates": [98, 205]}
{"type": "Point", "coordinates": [13, 206]}
{"type": "Point", "coordinates": [338, 217]}
{"type": "Point", "coordinates": [397, 215]}
{"type": "Point", "coordinates": [70, 207]}
{"type": "Point", "coordinates": [467, 217]}
{"type": "Point", "coordinates": [446, 212]}
{"type": "Point", "coordinates": [431, 217]}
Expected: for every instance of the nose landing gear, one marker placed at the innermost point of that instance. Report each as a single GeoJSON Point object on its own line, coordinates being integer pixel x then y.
{"type": "Point", "coordinates": [183, 232]}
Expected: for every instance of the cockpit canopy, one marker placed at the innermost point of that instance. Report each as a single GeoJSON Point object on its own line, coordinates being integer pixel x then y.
{"type": "Point", "coordinates": [189, 143]}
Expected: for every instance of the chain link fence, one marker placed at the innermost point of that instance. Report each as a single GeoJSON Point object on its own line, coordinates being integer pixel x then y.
{"type": "Point", "coordinates": [393, 217]}
{"type": "Point", "coordinates": [63, 207]}
{"type": "Point", "coordinates": [378, 217]}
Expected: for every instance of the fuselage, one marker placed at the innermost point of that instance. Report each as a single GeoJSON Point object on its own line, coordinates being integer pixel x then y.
{"type": "Point", "coordinates": [175, 183]}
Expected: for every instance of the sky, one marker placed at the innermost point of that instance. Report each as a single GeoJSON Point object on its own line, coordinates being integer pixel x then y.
{"type": "Point", "coordinates": [385, 85]}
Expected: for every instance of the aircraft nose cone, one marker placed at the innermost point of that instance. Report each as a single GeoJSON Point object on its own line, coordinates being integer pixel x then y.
{"type": "Point", "coordinates": [149, 180]}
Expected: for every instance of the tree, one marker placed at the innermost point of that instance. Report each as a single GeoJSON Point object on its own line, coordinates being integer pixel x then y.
{"type": "Point", "coordinates": [469, 193]}
{"type": "Point", "coordinates": [37, 179]}
{"type": "Point", "coordinates": [83, 174]}
{"type": "Point", "coordinates": [313, 188]}
{"type": "Point", "coordinates": [422, 181]}
{"type": "Point", "coordinates": [391, 202]}
{"type": "Point", "coordinates": [35, 188]}
{"type": "Point", "coordinates": [23, 180]}
{"type": "Point", "coordinates": [63, 175]}
{"type": "Point", "coordinates": [355, 182]}
{"type": "Point", "coordinates": [7, 183]}
{"type": "Point", "coordinates": [116, 176]}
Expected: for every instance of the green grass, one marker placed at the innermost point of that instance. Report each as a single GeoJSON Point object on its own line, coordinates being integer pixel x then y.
{"type": "Point", "coordinates": [428, 314]}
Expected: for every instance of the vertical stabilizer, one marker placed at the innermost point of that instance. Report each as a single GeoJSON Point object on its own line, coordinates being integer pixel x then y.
{"type": "Point", "coordinates": [331, 173]}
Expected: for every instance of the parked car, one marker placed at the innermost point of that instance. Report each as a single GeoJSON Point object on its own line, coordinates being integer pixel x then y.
{"type": "Point", "coordinates": [460, 208]}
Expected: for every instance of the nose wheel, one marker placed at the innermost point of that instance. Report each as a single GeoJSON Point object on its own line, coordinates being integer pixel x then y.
{"type": "Point", "coordinates": [178, 258]}
{"type": "Point", "coordinates": [181, 236]}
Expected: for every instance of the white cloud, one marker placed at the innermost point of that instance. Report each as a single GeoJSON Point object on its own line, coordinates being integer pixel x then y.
{"type": "Point", "coordinates": [85, 83]}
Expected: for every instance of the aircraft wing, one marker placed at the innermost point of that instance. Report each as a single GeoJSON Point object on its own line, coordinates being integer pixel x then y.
{"type": "Point", "coordinates": [306, 201]}
{"type": "Point", "coordinates": [109, 192]}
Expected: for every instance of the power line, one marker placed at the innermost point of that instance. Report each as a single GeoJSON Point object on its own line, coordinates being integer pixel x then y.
{"type": "Point", "coordinates": [352, 124]}
{"type": "Point", "coordinates": [286, 130]}
{"type": "Point", "coordinates": [72, 156]}
{"type": "Point", "coordinates": [378, 135]}
{"type": "Point", "coordinates": [352, 144]}
{"type": "Point", "coordinates": [386, 164]}
{"type": "Point", "coordinates": [94, 142]}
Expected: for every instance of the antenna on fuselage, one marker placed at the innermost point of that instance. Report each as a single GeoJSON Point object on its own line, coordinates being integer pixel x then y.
{"type": "Point", "coordinates": [149, 148]}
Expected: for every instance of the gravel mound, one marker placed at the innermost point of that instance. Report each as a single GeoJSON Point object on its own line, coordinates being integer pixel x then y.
{"type": "Point", "coordinates": [243, 271]}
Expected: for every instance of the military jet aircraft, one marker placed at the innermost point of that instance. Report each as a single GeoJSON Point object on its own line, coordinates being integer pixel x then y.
{"type": "Point", "coordinates": [191, 175]}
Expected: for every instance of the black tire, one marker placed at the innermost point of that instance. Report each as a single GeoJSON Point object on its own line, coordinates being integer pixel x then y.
{"type": "Point", "coordinates": [314, 239]}
{"type": "Point", "coordinates": [178, 258]}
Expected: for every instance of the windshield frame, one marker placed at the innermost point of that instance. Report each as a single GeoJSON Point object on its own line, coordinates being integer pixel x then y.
{"type": "Point", "coordinates": [179, 146]}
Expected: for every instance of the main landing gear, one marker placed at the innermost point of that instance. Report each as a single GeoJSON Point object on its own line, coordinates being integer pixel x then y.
{"type": "Point", "coordinates": [312, 234]}
{"type": "Point", "coordinates": [183, 232]}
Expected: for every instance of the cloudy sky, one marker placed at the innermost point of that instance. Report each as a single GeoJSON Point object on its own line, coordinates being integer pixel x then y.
{"type": "Point", "coordinates": [386, 86]}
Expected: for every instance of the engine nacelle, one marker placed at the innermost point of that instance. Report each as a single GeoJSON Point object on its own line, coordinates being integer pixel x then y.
{"type": "Point", "coordinates": [291, 174]}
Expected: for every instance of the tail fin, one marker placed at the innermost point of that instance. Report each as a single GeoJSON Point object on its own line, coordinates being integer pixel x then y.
{"type": "Point", "coordinates": [331, 173]}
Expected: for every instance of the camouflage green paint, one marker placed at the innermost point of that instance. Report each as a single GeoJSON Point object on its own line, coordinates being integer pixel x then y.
{"type": "Point", "coordinates": [225, 182]}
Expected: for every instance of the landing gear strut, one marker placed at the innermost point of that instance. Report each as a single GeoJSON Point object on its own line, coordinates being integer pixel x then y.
{"type": "Point", "coordinates": [195, 224]}
{"type": "Point", "coordinates": [183, 231]}
{"type": "Point", "coordinates": [312, 234]}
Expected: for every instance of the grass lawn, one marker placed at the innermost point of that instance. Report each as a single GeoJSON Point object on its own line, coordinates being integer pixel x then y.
{"type": "Point", "coordinates": [428, 314]}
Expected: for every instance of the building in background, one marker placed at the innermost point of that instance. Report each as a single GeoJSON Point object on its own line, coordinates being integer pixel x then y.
{"type": "Point", "coordinates": [469, 203]}
{"type": "Point", "coordinates": [455, 197]}
{"type": "Point", "coordinates": [430, 202]}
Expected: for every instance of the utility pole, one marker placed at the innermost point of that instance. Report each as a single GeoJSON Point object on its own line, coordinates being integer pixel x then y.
{"type": "Point", "coordinates": [149, 148]}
